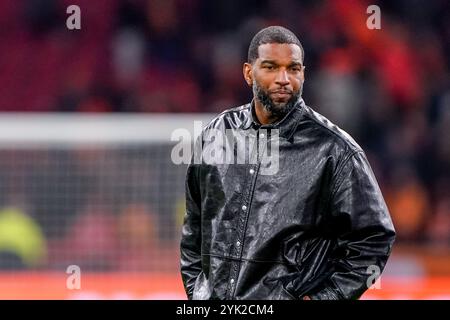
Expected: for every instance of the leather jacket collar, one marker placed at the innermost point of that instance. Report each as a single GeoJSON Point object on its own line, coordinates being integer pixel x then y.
{"type": "Point", "coordinates": [287, 125]}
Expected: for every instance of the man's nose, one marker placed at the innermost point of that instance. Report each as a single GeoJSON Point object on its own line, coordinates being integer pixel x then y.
{"type": "Point", "coordinates": [282, 78]}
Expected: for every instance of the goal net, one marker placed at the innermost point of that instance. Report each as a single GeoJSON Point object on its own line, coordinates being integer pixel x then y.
{"type": "Point", "coordinates": [95, 192]}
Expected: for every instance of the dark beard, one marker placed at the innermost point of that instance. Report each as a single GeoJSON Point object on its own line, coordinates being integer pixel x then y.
{"type": "Point", "coordinates": [276, 111]}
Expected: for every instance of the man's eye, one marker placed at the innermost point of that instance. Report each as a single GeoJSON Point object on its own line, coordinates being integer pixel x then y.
{"type": "Point", "coordinates": [269, 67]}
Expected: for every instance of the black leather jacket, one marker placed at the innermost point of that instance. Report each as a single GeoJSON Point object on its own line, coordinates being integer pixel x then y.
{"type": "Point", "coordinates": [319, 226]}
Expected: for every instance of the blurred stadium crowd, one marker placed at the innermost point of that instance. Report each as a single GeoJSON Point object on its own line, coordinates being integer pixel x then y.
{"type": "Point", "coordinates": [389, 88]}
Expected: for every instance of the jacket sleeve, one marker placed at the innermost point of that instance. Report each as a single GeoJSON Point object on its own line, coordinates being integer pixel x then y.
{"type": "Point", "coordinates": [190, 246]}
{"type": "Point", "coordinates": [364, 230]}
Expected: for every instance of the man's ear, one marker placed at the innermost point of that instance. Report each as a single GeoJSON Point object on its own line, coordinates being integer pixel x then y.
{"type": "Point", "coordinates": [247, 71]}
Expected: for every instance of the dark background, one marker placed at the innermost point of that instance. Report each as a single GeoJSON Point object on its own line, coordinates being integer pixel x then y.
{"type": "Point", "coordinates": [388, 88]}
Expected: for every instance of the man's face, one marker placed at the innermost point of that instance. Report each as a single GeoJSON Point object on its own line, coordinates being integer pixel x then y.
{"type": "Point", "coordinates": [276, 77]}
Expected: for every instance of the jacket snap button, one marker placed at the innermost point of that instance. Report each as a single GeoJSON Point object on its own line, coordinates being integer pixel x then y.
{"type": "Point", "coordinates": [244, 208]}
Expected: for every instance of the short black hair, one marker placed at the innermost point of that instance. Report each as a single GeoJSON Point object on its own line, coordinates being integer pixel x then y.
{"type": "Point", "coordinates": [272, 34]}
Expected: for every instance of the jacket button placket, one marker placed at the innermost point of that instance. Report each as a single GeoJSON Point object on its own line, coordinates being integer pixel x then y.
{"type": "Point", "coordinates": [243, 216]}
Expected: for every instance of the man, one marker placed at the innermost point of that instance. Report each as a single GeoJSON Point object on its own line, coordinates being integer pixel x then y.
{"type": "Point", "coordinates": [317, 228]}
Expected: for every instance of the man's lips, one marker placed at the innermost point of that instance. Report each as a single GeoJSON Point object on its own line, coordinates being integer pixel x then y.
{"type": "Point", "coordinates": [282, 91]}
{"type": "Point", "coordinates": [281, 94]}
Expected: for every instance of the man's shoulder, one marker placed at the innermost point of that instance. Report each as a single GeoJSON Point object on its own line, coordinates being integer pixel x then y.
{"type": "Point", "coordinates": [328, 131]}
{"type": "Point", "coordinates": [230, 118]}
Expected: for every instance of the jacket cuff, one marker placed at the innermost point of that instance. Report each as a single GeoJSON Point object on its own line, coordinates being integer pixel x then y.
{"type": "Point", "coordinates": [325, 294]}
